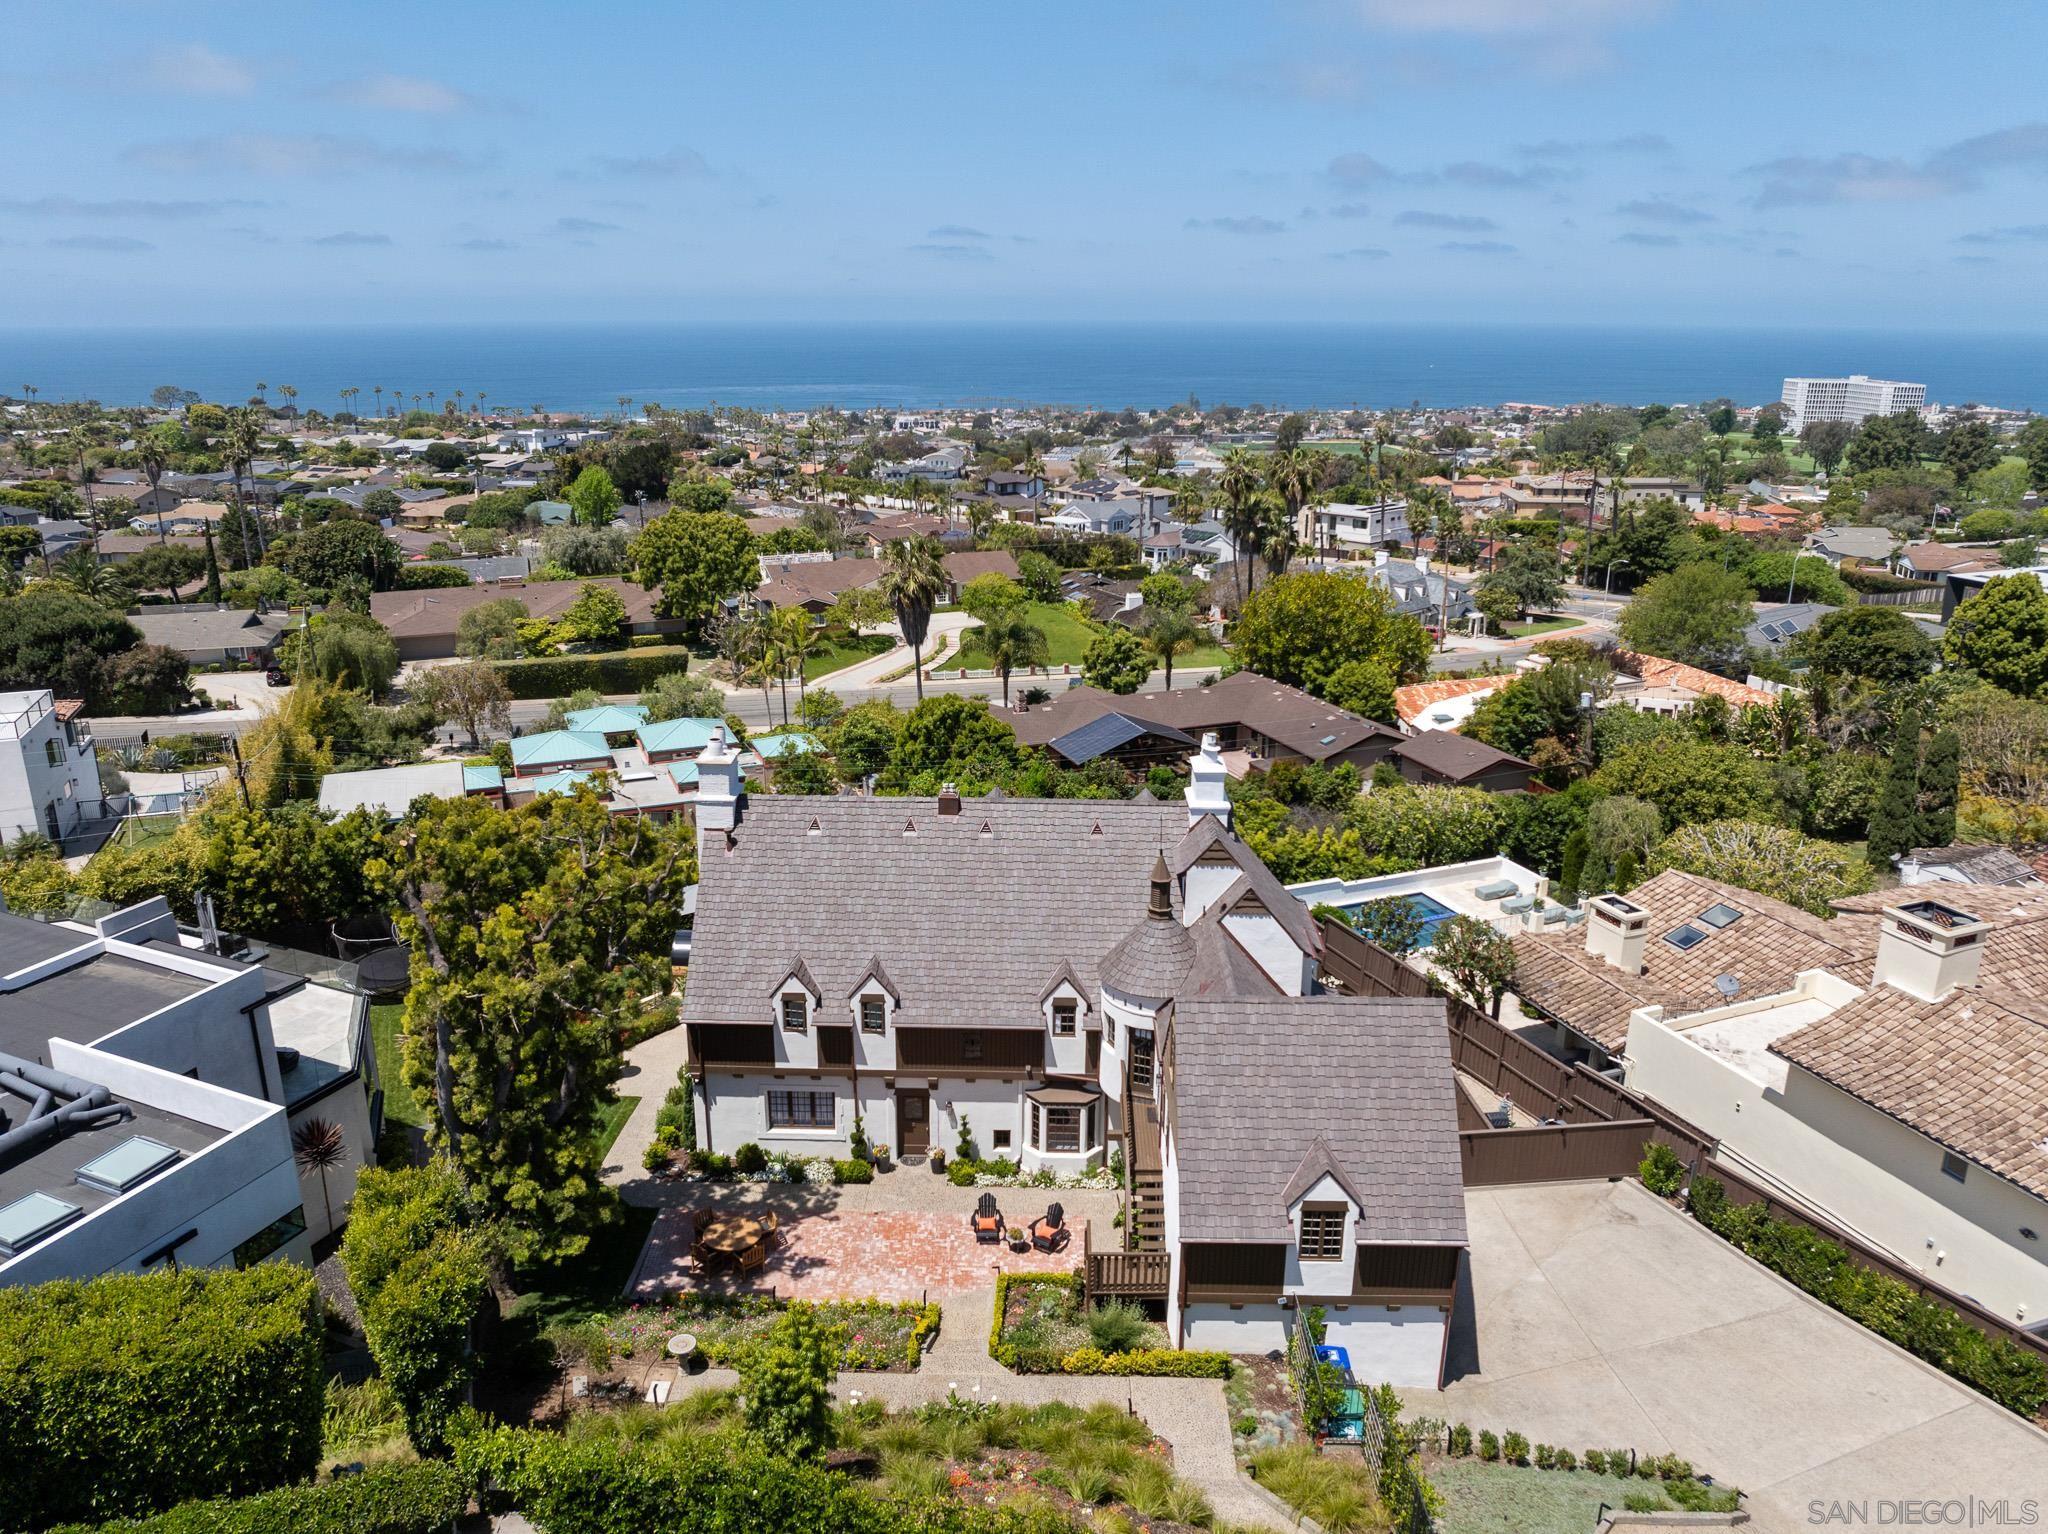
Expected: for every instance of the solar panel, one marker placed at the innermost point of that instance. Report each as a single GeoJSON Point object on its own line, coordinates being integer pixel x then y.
{"type": "Point", "coordinates": [27, 1220]}
{"type": "Point", "coordinates": [1719, 915]}
{"type": "Point", "coordinates": [133, 1161]}
{"type": "Point", "coordinates": [1685, 937]}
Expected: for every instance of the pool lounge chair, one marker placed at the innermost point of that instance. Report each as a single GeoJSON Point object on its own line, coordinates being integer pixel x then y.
{"type": "Point", "coordinates": [1499, 889]}
{"type": "Point", "coordinates": [1519, 904]}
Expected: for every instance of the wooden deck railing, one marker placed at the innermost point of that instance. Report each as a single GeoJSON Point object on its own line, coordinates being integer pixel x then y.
{"type": "Point", "coordinates": [1123, 1275]}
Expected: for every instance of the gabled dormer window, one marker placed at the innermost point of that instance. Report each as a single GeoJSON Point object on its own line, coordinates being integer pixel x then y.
{"type": "Point", "coordinates": [796, 1012]}
{"type": "Point", "coordinates": [874, 1014]}
{"type": "Point", "coordinates": [1065, 1018]}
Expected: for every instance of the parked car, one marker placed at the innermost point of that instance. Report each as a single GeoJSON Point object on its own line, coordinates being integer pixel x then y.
{"type": "Point", "coordinates": [277, 677]}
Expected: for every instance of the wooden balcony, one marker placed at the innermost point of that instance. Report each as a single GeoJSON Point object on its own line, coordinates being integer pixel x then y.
{"type": "Point", "coordinates": [731, 1046]}
{"type": "Point", "coordinates": [1124, 1275]}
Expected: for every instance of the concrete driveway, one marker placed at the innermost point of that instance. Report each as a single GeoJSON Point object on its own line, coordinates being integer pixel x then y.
{"type": "Point", "coordinates": [1603, 1318]}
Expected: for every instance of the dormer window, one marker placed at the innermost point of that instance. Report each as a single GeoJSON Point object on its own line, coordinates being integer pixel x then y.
{"type": "Point", "coordinates": [796, 1012]}
{"type": "Point", "coordinates": [1065, 1018]}
{"type": "Point", "coordinates": [874, 1015]}
{"type": "Point", "coordinates": [1322, 1233]}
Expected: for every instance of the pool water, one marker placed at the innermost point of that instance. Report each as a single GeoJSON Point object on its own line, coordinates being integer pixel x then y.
{"type": "Point", "coordinates": [1434, 914]}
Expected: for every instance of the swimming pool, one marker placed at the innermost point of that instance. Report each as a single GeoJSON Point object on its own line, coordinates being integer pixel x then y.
{"type": "Point", "coordinates": [1434, 914]}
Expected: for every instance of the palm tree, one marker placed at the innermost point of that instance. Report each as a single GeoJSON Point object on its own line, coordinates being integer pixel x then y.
{"type": "Point", "coordinates": [288, 392]}
{"type": "Point", "coordinates": [260, 387]}
{"type": "Point", "coordinates": [243, 436]}
{"type": "Point", "coordinates": [458, 402]}
{"type": "Point", "coordinates": [29, 393]}
{"type": "Point", "coordinates": [1244, 512]}
{"type": "Point", "coordinates": [378, 390]}
{"type": "Point", "coordinates": [1277, 540]}
{"type": "Point", "coordinates": [913, 579]}
{"type": "Point", "coordinates": [795, 638]}
{"type": "Point", "coordinates": [1294, 476]}
{"type": "Point", "coordinates": [82, 571]}
{"type": "Point", "coordinates": [1170, 631]}
{"type": "Point", "coordinates": [320, 1146]}
{"type": "Point", "coordinates": [348, 399]}
{"type": "Point", "coordinates": [481, 396]}
{"type": "Point", "coordinates": [154, 457]}
{"type": "Point", "coordinates": [1010, 639]}
{"type": "Point", "coordinates": [743, 640]}
{"type": "Point", "coordinates": [624, 401]}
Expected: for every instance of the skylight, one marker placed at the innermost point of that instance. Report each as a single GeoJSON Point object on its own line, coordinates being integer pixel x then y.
{"type": "Point", "coordinates": [133, 1161]}
{"type": "Point", "coordinates": [1720, 915]}
{"type": "Point", "coordinates": [27, 1220]}
{"type": "Point", "coordinates": [1685, 937]}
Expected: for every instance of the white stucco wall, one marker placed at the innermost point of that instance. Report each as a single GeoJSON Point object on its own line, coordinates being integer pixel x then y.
{"type": "Point", "coordinates": [1267, 942]}
{"type": "Point", "coordinates": [1403, 1346]}
{"type": "Point", "coordinates": [1245, 1329]}
{"type": "Point", "coordinates": [1860, 1168]}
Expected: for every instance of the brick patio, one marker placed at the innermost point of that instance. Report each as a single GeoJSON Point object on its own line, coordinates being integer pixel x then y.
{"type": "Point", "coordinates": [840, 1254]}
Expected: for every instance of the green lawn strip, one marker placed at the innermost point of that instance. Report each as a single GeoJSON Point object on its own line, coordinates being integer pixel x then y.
{"type": "Point", "coordinates": [614, 1120]}
{"type": "Point", "coordinates": [1067, 637]}
{"type": "Point", "coordinates": [837, 654]}
{"type": "Point", "coordinates": [400, 1105]}
{"type": "Point", "coordinates": [1540, 626]}
{"type": "Point", "coordinates": [588, 1284]}
{"type": "Point", "coordinates": [1492, 1498]}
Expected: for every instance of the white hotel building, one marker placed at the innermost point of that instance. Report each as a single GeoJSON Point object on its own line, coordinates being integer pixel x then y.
{"type": "Point", "coordinates": [1850, 399]}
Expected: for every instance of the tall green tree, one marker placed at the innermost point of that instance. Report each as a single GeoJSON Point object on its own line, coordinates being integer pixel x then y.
{"type": "Point", "coordinates": [1115, 660]}
{"type": "Point", "coordinates": [1302, 628]}
{"type": "Point", "coordinates": [696, 559]}
{"type": "Point", "coordinates": [1895, 826]}
{"type": "Point", "coordinates": [1010, 641]}
{"type": "Point", "coordinates": [2001, 633]}
{"type": "Point", "coordinates": [787, 1382]}
{"type": "Point", "coordinates": [1940, 785]}
{"type": "Point", "coordinates": [1530, 571]}
{"type": "Point", "coordinates": [1825, 442]}
{"type": "Point", "coordinates": [534, 933]}
{"type": "Point", "coordinates": [594, 499]}
{"type": "Point", "coordinates": [1695, 615]}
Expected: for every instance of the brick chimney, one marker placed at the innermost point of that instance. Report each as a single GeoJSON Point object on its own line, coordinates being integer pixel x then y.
{"type": "Point", "coordinates": [1927, 949]}
{"type": "Point", "coordinates": [1617, 930]}
{"type": "Point", "coordinates": [949, 799]}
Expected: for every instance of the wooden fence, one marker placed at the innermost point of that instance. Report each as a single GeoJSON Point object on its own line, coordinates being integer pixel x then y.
{"type": "Point", "coordinates": [1122, 1275]}
{"type": "Point", "coordinates": [1603, 1128]}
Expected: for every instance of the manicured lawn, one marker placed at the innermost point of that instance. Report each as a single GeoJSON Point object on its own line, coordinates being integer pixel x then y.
{"type": "Point", "coordinates": [1540, 625]}
{"type": "Point", "coordinates": [1200, 656]}
{"type": "Point", "coordinates": [614, 1120]}
{"type": "Point", "coordinates": [1067, 637]}
{"type": "Point", "coordinates": [833, 654]}
{"type": "Point", "coordinates": [400, 1105]}
{"type": "Point", "coordinates": [586, 1285]}
{"type": "Point", "coordinates": [1492, 1498]}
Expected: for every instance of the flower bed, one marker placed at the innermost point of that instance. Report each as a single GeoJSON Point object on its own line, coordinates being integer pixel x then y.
{"type": "Point", "coordinates": [1005, 1173]}
{"type": "Point", "coordinates": [872, 1334]}
{"type": "Point", "coordinates": [1040, 1327]}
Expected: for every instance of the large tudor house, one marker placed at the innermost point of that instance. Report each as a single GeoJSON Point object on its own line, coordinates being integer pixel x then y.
{"type": "Point", "coordinates": [1052, 977]}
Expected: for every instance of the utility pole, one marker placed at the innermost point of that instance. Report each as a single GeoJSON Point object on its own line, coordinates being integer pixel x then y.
{"type": "Point", "coordinates": [241, 769]}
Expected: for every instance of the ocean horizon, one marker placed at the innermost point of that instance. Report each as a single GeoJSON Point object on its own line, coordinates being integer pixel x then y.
{"type": "Point", "coordinates": [587, 368]}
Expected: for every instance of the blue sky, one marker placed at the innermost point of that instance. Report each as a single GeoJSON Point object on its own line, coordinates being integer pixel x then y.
{"type": "Point", "coordinates": [1489, 160]}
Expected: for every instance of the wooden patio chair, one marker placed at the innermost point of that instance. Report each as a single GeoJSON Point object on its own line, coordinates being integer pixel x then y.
{"type": "Point", "coordinates": [754, 1257]}
{"type": "Point", "coordinates": [1050, 1234]}
{"type": "Point", "coordinates": [987, 1220]}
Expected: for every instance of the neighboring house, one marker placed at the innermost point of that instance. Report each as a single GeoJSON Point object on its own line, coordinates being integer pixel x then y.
{"type": "Point", "coordinates": [119, 548]}
{"type": "Point", "coordinates": [1903, 1095]}
{"type": "Point", "coordinates": [424, 622]}
{"type": "Point", "coordinates": [1961, 585]}
{"type": "Point", "coordinates": [815, 584]}
{"type": "Point", "coordinates": [1013, 482]}
{"type": "Point", "coordinates": [49, 767]}
{"type": "Point", "coordinates": [1287, 1147]}
{"type": "Point", "coordinates": [1436, 599]}
{"type": "Point", "coordinates": [1447, 704]}
{"type": "Point", "coordinates": [486, 568]}
{"type": "Point", "coordinates": [1929, 561]}
{"type": "Point", "coordinates": [1344, 528]}
{"type": "Point", "coordinates": [1256, 720]}
{"type": "Point", "coordinates": [1098, 517]}
{"type": "Point", "coordinates": [551, 513]}
{"type": "Point", "coordinates": [1445, 759]}
{"type": "Point", "coordinates": [165, 1082]}
{"type": "Point", "coordinates": [390, 791]}
{"type": "Point", "coordinates": [1653, 685]}
{"type": "Point", "coordinates": [1779, 623]}
{"type": "Point", "coordinates": [1969, 864]}
{"type": "Point", "coordinates": [216, 636]}
{"type": "Point", "coordinates": [940, 465]}
{"type": "Point", "coordinates": [176, 517]}
{"type": "Point", "coordinates": [1872, 545]}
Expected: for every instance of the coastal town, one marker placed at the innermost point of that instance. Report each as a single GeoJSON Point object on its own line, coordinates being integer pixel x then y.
{"type": "Point", "coordinates": [1022, 969]}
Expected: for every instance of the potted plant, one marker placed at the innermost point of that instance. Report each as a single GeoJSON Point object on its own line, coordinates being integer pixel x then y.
{"type": "Point", "coordinates": [1017, 1241]}
{"type": "Point", "coordinates": [938, 1160]}
{"type": "Point", "coordinates": [880, 1157]}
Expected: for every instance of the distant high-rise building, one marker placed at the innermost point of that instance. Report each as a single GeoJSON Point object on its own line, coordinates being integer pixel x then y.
{"type": "Point", "coordinates": [1848, 399]}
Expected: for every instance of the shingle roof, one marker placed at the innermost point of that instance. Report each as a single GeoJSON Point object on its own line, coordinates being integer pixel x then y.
{"type": "Point", "coordinates": [1296, 720]}
{"type": "Point", "coordinates": [437, 611]}
{"type": "Point", "coordinates": [1108, 732]}
{"type": "Point", "coordinates": [1155, 956]}
{"type": "Point", "coordinates": [224, 629]}
{"type": "Point", "coordinates": [1256, 879]}
{"type": "Point", "coordinates": [1455, 756]}
{"type": "Point", "coordinates": [1764, 950]}
{"type": "Point", "coordinates": [1257, 1081]}
{"type": "Point", "coordinates": [1970, 1071]}
{"type": "Point", "coordinates": [1025, 883]}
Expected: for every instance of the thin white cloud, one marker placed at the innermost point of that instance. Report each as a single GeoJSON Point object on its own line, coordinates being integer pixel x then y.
{"type": "Point", "coordinates": [402, 93]}
{"type": "Point", "coordinates": [1359, 170]}
{"type": "Point", "coordinates": [1504, 178]}
{"type": "Point", "coordinates": [1360, 253]}
{"type": "Point", "coordinates": [194, 69]}
{"type": "Point", "coordinates": [1806, 180]}
{"type": "Point", "coordinates": [1247, 223]}
{"type": "Point", "coordinates": [486, 245]}
{"type": "Point", "coordinates": [1662, 210]}
{"type": "Point", "coordinates": [107, 242]}
{"type": "Point", "coordinates": [1460, 223]}
{"type": "Point", "coordinates": [681, 163]}
{"type": "Point", "coordinates": [2011, 234]}
{"type": "Point", "coordinates": [1572, 149]}
{"type": "Point", "coordinates": [58, 206]}
{"type": "Point", "coordinates": [288, 154]}
{"type": "Point", "coordinates": [574, 225]}
{"type": "Point", "coordinates": [956, 232]}
{"type": "Point", "coordinates": [349, 237]}
{"type": "Point", "coordinates": [1477, 248]}
{"type": "Point", "coordinates": [1640, 237]}
{"type": "Point", "coordinates": [1350, 210]}
{"type": "Point", "coordinates": [1506, 18]}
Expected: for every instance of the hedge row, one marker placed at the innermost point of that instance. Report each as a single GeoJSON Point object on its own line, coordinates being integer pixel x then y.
{"type": "Point", "coordinates": [392, 1499]}
{"type": "Point", "coordinates": [419, 1270]}
{"type": "Point", "coordinates": [556, 676]}
{"type": "Point", "coordinates": [1173, 1363]}
{"type": "Point", "coordinates": [134, 1392]}
{"type": "Point", "coordinates": [2014, 1377]}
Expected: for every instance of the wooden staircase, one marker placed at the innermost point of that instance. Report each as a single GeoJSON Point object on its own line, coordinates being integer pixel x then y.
{"type": "Point", "coordinates": [1145, 1208]}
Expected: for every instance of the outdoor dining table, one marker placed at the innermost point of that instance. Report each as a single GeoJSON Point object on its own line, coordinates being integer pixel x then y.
{"type": "Point", "coordinates": [731, 1234]}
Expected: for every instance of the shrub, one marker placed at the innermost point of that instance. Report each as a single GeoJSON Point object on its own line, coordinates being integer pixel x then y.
{"type": "Point", "coordinates": [1643, 1502]}
{"type": "Point", "coordinates": [1546, 1457]}
{"type": "Point", "coordinates": [1489, 1446]}
{"type": "Point", "coordinates": [1596, 1461]}
{"type": "Point", "coordinates": [1661, 1171]}
{"type": "Point", "coordinates": [750, 1158]}
{"type": "Point", "coordinates": [1117, 1327]}
{"type": "Point", "coordinates": [388, 1499]}
{"type": "Point", "coordinates": [1646, 1467]}
{"type": "Point", "coordinates": [1515, 1449]}
{"type": "Point", "coordinates": [1566, 1460]}
{"type": "Point", "coordinates": [556, 676]}
{"type": "Point", "coordinates": [1708, 1198]}
{"type": "Point", "coordinates": [134, 1392]}
{"type": "Point", "coordinates": [1166, 1363]}
{"type": "Point", "coordinates": [657, 1154]}
{"type": "Point", "coordinates": [961, 1174]}
{"type": "Point", "coordinates": [1671, 1468]}
{"type": "Point", "coordinates": [714, 1164]}
{"type": "Point", "coordinates": [788, 1386]}
{"type": "Point", "coordinates": [1461, 1440]}
{"type": "Point", "coordinates": [855, 1170]}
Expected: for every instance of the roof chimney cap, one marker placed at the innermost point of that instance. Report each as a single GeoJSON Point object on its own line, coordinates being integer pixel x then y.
{"type": "Point", "coordinates": [949, 799]}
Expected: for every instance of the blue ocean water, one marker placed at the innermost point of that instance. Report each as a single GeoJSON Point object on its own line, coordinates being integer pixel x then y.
{"type": "Point", "coordinates": [796, 366]}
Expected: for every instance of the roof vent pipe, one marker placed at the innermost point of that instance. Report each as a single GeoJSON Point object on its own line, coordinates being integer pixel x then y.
{"type": "Point", "coordinates": [58, 1105]}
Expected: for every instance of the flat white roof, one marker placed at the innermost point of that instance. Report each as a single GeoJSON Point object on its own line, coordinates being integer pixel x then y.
{"type": "Point", "coordinates": [389, 790]}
